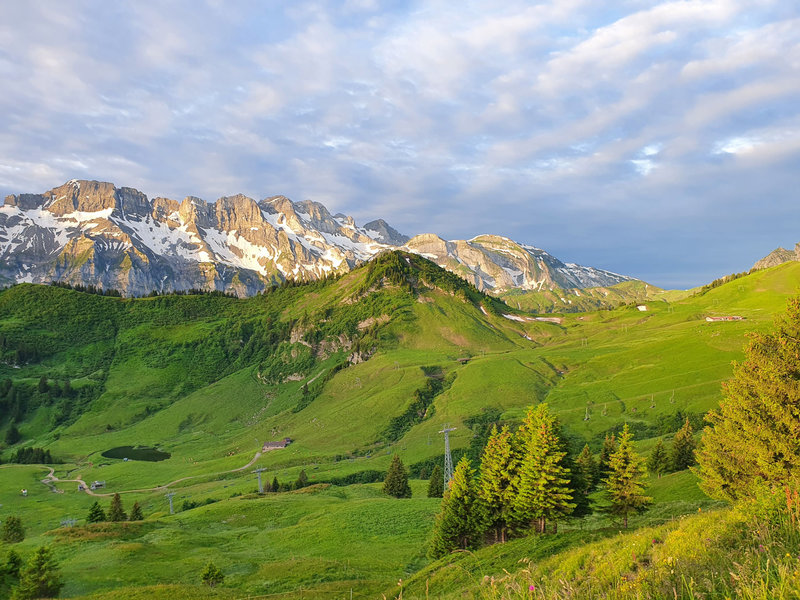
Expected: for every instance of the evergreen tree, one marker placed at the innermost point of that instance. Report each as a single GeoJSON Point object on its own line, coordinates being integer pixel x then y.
{"type": "Point", "coordinates": [460, 522]}
{"type": "Point", "coordinates": [542, 491]}
{"type": "Point", "coordinates": [302, 480]}
{"type": "Point", "coordinates": [682, 453]}
{"type": "Point", "coordinates": [658, 461]}
{"type": "Point", "coordinates": [115, 512]}
{"type": "Point", "coordinates": [12, 435]}
{"type": "Point", "coordinates": [136, 512]}
{"type": "Point", "coordinates": [396, 482]}
{"type": "Point", "coordinates": [609, 447]}
{"type": "Point", "coordinates": [96, 514]}
{"type": "Point", "coordinates": [625, 481]}
{"type": "Point", "coordinates": [13, 564]}
{"type": "Point", "coordinates": [752, 439]}
{"type": "Point", "coordinates": [211, 575]}
{"type": "Point", "coordinates": [495, 489]}
{"type": "Point", "coordinates": [276, 487]}
{"type": "Point", "coordinates": [43, 387]}
{"type": "Point", "coordinates": [13, 531]}
{"type": "Point", "coordinates": [436, 483]}
{"type": "Point", "coordinates": [40, 578]}
{"type": "Point", "coordinates": [587, 465]}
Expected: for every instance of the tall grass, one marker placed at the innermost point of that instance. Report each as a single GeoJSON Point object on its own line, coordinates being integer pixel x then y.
{"type": "Point", "coordinates": [751, 552]}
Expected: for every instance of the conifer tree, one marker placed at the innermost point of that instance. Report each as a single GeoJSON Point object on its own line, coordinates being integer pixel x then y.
{"type": "Point", "coordinates": [115, 512]}
{"type": "Point", "coordinates": [625, 481]}
{"type": "Point", "coordinates": [211, 575]}
{"type": "Point", "coordinates": [96, 514]}
{"type": "Point", "coordinates": [436, 483]}
{"type": "Point", "coordinates": [302, 480]}
{"type": "Point", "coordinates": [276, 487]}
{"type": "Point", "coordinates": [40, 578]}
{"type": "Point", "coordinates": [460, 523]}
{"type": "Point", "coordinates": [682, 452]}
{"type": "Point", "coordinates": [609, 447]}
{"type": "Point", "coordinates": [396, 482]}
{"type": "Point", "coordinates": [658, 461]}
{"type": "Point", "coordinates": [542, 490]}
{"type": "Point", "coordinates": [495, 488]}
{"type": "Point", "coordinates": [13, 531]}
{"type": "Point", "coordinates": [587, 465]}
{"type": "Point", "coordinates": [752, 440]}
{"type": "Point", "coordinates": [136, 512]}
{"type": "Point", "coordinates": [13, 564]}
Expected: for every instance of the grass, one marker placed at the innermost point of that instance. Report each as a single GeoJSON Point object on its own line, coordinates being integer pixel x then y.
{"type": "Point", "coordinates": [187, 375]}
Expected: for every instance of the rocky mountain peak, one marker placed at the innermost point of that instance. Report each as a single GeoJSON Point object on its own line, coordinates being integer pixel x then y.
{"type": "Point", "coordinates": [91, 232]}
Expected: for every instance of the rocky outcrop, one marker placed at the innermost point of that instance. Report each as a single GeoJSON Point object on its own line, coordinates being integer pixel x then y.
{"type": "Point", "coordinates": [498, 264]}
{"type": "Point", "coordinates": [90, 232]}
{"type": "Point", "coordinates": [778, 257]}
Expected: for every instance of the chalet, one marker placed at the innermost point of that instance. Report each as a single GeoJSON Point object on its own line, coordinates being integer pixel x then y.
{"type": "Point", "coordinates": [726, 318]}
{"type": "Point", "coordinates": [642, 308]}
{"type": "Point", "coordinates": [276, 445]}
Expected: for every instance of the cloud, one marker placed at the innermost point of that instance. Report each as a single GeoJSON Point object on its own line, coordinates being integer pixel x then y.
{"type": "Point", "coordinates": [594, 131]}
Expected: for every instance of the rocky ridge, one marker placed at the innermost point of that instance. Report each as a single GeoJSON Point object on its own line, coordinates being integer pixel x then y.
{"type": "Point", "coordinates": [778, 257]}
{"type": "Point", "coordinates": [93, 233]}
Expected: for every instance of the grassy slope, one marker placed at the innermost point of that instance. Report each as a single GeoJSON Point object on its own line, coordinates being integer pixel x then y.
{"type": "Point", "coordinates": [613, 360]}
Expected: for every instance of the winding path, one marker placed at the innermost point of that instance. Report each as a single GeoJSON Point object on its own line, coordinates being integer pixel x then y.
{"type": "Point", "coordinates": [50, 480]}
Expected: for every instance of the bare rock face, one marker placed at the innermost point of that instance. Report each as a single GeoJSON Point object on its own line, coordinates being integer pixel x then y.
{"type": "Point", "coordinates": [778, 257]}
{"type": "Point", "coordinates": [495, 263]}
{"type": "Point", "coordinates": [91, 232]}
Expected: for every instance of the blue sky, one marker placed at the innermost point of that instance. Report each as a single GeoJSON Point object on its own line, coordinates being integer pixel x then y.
{"type": "Point", "coordinates": [656, 139]}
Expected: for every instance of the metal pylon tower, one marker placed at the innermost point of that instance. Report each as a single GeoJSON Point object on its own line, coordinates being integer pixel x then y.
{"type": "Point", "coordinates": [169, 497]}
{"type": "Point", "coordinates": [260, 487]}
{"type": "Point", "coordinates": [448, 459]}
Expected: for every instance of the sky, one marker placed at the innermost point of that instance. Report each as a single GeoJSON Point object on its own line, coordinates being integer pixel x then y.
{"type": "Point", "coordinates": [659, 140]}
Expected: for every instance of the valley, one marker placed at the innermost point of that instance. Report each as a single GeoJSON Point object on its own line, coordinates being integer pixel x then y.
{"type": "Point", "coordinates": [332, 364]}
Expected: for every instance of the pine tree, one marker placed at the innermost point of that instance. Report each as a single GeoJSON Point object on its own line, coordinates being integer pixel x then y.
{"type": "Point", "coordinates": [96, 514]}
{"type": "Point", "coordinates": [396, 482]}
{"type": "Point", "coordinates": [587, 465]}
{"type": "Point", "coordinates": [625, 481]}
{"type": "Point", "coordinates": [136, 512]}
{"type": "Point", "coordinates": [302, 480]}
{"type": "Point", "coordinates": [12, 435]}
{"type": "Point", "coordinates": [609, 447]}
{"type": "Point", "coordinates": [495, 488]}
{"type": "Point", "coordinates": [40, 578]}
{"type": "Point", "coordinates": [276, 487]}
{"type": "Point", "coordinates": [460, 523]}
{"type": "Point", "coordinates": [211, 575]}
{"type": "Point", "coordinates": [752, 438]}
{"type": "Point", "coordinates": [658, 461]}
{"type": "Point", "coordinates": [436, 483]}
{"type": "Point", "coordinates": [13, 531]}
{"type": "Point", "coordinates": [13, 564]}
{"type": "Point", "coordinates": [683, 444]}
{"type": "Point", "coordinates": [42, 387]}
{"type": "Point", "coordinates": [542, 490]}
{"type": "Point", "coordinates": [115, 512]}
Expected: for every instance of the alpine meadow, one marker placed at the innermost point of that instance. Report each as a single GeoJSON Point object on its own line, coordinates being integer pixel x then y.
{"type": "Point", "coordinates": [200, 445]}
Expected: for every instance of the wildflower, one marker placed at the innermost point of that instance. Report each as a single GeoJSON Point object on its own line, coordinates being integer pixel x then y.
{"type": "Point", "coordinates": [532, 587]}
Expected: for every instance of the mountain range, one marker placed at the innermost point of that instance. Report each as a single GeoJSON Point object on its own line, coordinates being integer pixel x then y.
{"type": "Point", "coordinates": [93, 233]}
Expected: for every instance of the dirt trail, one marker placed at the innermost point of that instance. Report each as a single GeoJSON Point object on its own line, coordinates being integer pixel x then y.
{"type": "Point", "coordinates": [50, 479]}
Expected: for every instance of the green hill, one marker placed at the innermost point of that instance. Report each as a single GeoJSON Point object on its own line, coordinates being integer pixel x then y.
{"type": "Point", "coordinates": [333, 365]}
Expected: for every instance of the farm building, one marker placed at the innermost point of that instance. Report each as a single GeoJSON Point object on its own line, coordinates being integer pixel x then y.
{"type": "Point", "coordinates": [276, 445]}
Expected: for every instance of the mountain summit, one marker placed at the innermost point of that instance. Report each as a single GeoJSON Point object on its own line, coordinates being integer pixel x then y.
{"type": "Point", "coordinates": [93, 233]}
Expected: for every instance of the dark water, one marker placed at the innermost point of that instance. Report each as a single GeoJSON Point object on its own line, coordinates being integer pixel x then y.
{"type": "Point", "coordinates": [137, 453]}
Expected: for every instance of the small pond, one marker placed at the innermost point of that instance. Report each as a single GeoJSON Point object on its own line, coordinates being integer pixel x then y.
{"type": "Point", "coordinates": [137, 453]}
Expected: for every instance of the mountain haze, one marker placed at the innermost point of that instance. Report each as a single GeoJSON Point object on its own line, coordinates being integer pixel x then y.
{"type": "Point", "coordinates": [93, 233]}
